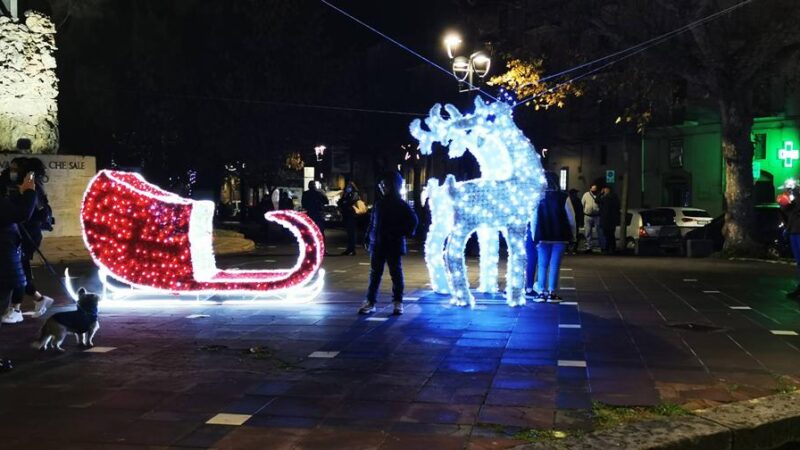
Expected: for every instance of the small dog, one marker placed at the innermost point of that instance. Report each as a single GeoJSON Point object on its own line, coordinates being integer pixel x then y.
{"type": "Point", "coordinates": [82, 322]}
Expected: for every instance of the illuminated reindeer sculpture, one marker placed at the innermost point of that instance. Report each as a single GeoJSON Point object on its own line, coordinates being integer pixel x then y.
{"type": "Point", "coordinates": [504, 199]}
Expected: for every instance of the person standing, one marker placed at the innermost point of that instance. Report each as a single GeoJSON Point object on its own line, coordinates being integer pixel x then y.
{"type": "Point", "coordinates": [578, 208]}
{"type": "Point", "coordinates": [286, 201]}
{"type": "Point", "coordinates": [313, 201]}
{"type": "Point", "coordinates": [553, 230]}
{"type": "Point", "coordinates": [392, 220]}
{"type": "Point", "coordinates": [609, 219]}
{"type": "Point", "coordinates": [13, 212]}
{"type": "Point", "coordinates": [30, 233]}
{"type": "Point", "coordinates": [788, 202]}
{"type": "Point", "coordinates": [591, 215]}
{"type": "Point", "coordinates": [531, 256]}
{"type": "Point", "coordinates": [347, 205]}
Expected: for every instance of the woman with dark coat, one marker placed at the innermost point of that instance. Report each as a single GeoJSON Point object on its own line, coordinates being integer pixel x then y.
{"type": "Point", "coordinates": [13, 212]}
{"type": "Point", "coordinates": [31, 236]}
{"type": "Point", "coordinates": [553, 229]}
{"type": "Point", "coordinates": [347, 203]}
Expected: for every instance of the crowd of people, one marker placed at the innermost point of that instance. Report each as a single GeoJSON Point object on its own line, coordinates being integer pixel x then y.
{"type": "Point", "coordinates": [24, 214]}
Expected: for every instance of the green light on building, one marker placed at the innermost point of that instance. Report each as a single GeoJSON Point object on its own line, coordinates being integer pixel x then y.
{"type": "Point", "coordinates": [788, 154]}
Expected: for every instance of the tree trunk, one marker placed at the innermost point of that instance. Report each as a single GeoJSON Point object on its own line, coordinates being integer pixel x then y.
{"type": "Point", "coordinates": [623, 228]}
{"type": "Point", "coordinates": [737, 154]}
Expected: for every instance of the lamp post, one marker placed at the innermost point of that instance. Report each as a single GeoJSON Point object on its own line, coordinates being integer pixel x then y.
{"type": "Point", "coordinates": [465, 68]}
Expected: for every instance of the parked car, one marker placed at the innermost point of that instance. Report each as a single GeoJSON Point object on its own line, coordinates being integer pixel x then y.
{"type": "Point", "coordinates": [688, 219]}
{"type": "Point", "coordinates": [652, 226]}
{"type": "Point", "coordinates": [770, 229]}
{"type": "Point", "coordinates": [332, 216]}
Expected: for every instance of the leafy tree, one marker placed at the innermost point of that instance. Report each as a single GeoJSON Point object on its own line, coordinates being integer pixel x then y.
{"type": "Point", "coordinates": [724, 63]}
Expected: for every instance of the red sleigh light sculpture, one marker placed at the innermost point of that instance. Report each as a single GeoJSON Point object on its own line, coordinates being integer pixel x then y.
{"type": "Point", "coordinates": [154, 241]}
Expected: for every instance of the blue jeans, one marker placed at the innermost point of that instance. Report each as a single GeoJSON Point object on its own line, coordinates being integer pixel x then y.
{"type": "Point", "coordinates": [531, 256]}
{"type": "Point", "coordinates": [550, 254]}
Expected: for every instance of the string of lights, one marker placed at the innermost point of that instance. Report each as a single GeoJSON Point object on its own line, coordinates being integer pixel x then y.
{"type": "Point", "coordinates": [630, 51]}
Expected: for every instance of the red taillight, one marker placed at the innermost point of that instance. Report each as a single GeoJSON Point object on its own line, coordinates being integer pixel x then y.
{"type": "Point", "coordinates": [642, 232]}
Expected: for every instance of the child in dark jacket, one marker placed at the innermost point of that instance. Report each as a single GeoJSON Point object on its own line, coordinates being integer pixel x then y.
{"type": "Point", "coordinates": [391, 222]}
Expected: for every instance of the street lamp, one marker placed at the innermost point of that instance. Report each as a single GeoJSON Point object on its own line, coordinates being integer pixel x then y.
{"type": "Point", "coordinates": [465, 68]}
{"type": "Point", "coordinates": [319, 151]}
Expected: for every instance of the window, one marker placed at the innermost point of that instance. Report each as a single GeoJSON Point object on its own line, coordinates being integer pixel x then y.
{"type": "Point", "coordinates": [563, 178]}
{"type": "Point", "coordinates": [655, 217]}
{"type": "Point", "coordinates": [603, 155]}
{"type": "Point", "coordinates": [695, 213]}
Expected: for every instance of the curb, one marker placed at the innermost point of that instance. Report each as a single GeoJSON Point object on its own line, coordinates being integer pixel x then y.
{"type": "Point", "coordinates": [785, 262]}
{"type": "Point", "coordinates": [759, 424]}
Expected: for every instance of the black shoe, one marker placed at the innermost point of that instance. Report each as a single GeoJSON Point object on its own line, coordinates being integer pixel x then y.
{"type": "Point", "coordinates": [554, 298]}
{"type": "Point", "coordinates": [349, 253]}
{"type": "Point", "coordinates": [531, 293]}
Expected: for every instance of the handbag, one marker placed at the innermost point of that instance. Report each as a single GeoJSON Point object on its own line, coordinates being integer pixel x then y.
{"type": "Point", "coordinates": [359, 207]}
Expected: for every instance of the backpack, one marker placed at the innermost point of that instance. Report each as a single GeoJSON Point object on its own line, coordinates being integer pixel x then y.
{"type": "Point", "coordinates": [44, 215]}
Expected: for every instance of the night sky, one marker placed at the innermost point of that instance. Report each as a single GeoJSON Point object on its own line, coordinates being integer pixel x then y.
{"type": "Point", "coordinates": [155, 84]}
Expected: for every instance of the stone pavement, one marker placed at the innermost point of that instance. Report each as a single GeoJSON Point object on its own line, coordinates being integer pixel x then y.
{"type": "Point", "coordinates": [71, 249]}
{"type": "Point", "coordinates": [632, 331]}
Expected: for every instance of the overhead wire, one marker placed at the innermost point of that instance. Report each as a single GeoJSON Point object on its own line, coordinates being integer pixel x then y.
{"type": "Point", "coordinates": [402, 46]}
{"type": "Point", "coordinates": [629, 52]}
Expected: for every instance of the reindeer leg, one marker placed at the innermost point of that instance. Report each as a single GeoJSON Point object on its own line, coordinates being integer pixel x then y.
{"type": "Point", "coordinates": [515, 272]}
{"type": "Point", "coordinates": [457, 268]}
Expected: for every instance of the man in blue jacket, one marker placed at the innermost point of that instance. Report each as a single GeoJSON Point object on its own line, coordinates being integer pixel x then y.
{"type": "Point", "coordinates": [392, 220]}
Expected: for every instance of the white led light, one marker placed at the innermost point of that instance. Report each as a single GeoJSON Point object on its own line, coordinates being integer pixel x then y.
{"type": "Point", "coordinates": [503, 200]}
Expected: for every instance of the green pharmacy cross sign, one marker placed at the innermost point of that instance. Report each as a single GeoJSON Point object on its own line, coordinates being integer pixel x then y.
{"type": "Point", "coordinates": [788, 154]}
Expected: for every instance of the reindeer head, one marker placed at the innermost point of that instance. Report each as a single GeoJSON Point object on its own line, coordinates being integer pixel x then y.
{"type": "Point", "coordinates": [460, 132]}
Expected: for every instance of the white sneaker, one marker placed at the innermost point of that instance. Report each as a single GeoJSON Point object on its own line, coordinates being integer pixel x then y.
{"type": "Point", "coordinates": [367, 308]}
{"type": "Point", "coordinates": [12, 315]}
{"type": "Point", "coordinates": [40, 306]}
{"type": "Point", "coordinates": [398, 309]}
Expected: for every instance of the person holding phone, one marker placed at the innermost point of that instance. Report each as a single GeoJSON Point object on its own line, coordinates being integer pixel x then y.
{"type": "Point", "coordinates": [14, 211]}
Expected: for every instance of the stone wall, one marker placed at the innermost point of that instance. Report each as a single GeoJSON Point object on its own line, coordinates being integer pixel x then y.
{"type": "Point", "coordinates": [68, 177]}
{"type": "Point", "coordinates": [28, 83]}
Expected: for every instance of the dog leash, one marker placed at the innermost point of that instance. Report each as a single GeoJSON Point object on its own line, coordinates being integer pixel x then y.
{"type": "Point", "coordinates": [44, 259]}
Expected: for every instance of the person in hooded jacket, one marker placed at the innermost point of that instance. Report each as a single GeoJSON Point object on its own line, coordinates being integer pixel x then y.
{"type": "Point", "coordinates": [392, 220]}
{"type": "Point", "coordinates": [13, 212]}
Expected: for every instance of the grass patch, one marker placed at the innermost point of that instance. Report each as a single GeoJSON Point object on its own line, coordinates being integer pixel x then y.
{"type": "Point", "coordinates": [535, 435]}
{"type": "Point", "coordinates": [607, 416]}
{"type": "Point", "coordinates": [785, 385]}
